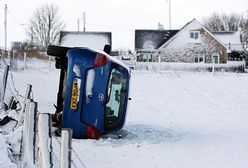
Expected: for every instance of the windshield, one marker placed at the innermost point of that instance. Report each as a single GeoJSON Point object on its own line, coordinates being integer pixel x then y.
{"type": "Point", "coordinates": [116, 97]}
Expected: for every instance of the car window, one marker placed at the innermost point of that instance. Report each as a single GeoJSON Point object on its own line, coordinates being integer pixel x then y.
{"type": "Point", "coordinates": [116, 97]}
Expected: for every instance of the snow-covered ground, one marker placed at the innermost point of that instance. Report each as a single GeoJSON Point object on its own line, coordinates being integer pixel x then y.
{"type": "Point", "coordinates": [175, 119]}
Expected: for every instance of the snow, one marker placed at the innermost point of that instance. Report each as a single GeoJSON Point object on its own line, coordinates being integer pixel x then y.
{"type": "Point", "coordinates": [182, 38]}
{"type": "Point", "coordinates": [89, 84]}
{"type": "Point", "coordinates": [176, 119]}
{"type": "Point", "coordinates": [4, 160]}
{"type": "Point", "coordinates": [231, 40]}
{"type": "Point", "coordinates": [165, 66]}
{"type": "Point", "coordinates": [65, 138]}
{"type": "Point", "coordinates": [93, 41]}
{"type": "Point", "coordinates": [44, 140]}
{"type": "Point", "coordinates": [148, 45]}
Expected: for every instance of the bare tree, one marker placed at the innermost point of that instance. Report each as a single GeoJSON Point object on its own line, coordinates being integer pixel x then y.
{"type": "Point", "coordinates": [223, 22]}
{"type": "Point", "coordinates": [245, 30]}
{"type": "Point", "coordinates": [213, 23]}
{"type": "Point", "coordinates": [245, 33]}
{"type": "Point", "coordinates": [45, 26]}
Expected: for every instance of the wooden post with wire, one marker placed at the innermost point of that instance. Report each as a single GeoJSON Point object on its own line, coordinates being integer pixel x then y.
{"type": "Point", "coordinates": [44, 140]}
{"type": "Point", "coordinates": [66, 148]}
{"type": "Point", "coordinates": [4, 84]}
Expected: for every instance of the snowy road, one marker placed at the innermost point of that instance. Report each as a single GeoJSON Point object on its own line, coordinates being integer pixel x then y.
{"type": "Point", "coordinates": [179, 120]}
{"type": "Point", "coordinates": [175, 120]}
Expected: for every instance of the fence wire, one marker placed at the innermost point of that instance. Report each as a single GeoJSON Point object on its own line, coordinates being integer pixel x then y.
{"type": "Point", "coordinates": [76, 154]}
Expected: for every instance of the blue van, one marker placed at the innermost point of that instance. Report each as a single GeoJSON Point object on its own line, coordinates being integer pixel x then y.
{"type": "Point", "coordinates": [94, 91]}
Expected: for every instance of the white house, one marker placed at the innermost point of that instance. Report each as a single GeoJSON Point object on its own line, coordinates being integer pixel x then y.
{"type": "Point", "coordinates": [194, 44]}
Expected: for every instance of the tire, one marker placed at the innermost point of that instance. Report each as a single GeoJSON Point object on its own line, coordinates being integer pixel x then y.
{"type": "Point", "coordinates": [57, 51]}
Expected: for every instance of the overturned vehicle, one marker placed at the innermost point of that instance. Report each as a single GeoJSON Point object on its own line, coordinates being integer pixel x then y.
{"type": "Point", "coordinates": [93, 91]}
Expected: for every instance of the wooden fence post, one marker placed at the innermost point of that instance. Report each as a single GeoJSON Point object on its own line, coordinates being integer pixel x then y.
{"type": "Point", "coordinates": [24, 60]}
{"type": "Point", "coordinates": [65, 148]}
{"type": "Point", "coordinates": [27, 96]}
{"type": "Point", "coordinates": [159, 63]}
{"type": "Point", "coordinates": [44, 140]}
{"type": "Point", "coordinates": [28, 152]}
{"type": "Point", "coordinates": [213, 66]}
{"type": "Point", "coordinates": [4, 84]}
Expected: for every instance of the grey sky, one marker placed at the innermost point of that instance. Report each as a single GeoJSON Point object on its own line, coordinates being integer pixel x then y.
{"type": "Point", "coordinates": [121, 17]}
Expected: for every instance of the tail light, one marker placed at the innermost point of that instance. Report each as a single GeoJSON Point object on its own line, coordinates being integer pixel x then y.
{"type": "Point", "coordinates": [92, 132]}
{"type": "Point", "coordinates": [100, 60]}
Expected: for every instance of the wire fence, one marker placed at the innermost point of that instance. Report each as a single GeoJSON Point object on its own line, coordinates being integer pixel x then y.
{"type": "Point", "coordinates": [33, 132]}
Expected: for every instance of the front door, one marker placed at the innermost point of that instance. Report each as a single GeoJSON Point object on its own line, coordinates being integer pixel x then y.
{"type": "Point", "coordinates": [216, 58]}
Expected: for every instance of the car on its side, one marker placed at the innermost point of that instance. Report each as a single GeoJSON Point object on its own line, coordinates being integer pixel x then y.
{"type": "Point", "coordinates": [95, 88]}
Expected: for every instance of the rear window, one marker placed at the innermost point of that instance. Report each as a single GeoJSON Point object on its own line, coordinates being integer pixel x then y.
{"type": "Point", "coordinates": [116, 97]}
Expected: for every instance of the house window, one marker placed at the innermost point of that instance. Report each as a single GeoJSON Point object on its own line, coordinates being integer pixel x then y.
{"type": "Point", "coordinates": [194, 35]}
{"type": "Point", "coordinates": [147, 57]}
{"type": "Point", "coordinates": [199, 58]}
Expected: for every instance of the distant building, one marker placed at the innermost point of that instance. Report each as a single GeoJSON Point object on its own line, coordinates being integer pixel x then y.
{"type": "Point", "coordinates": [231, 39]}
{"type": "Point", "coordinates": [93, 40]}
{"type": "Point", "coordinates": [147, 42]}
{"type": "Point", "coordinates": [16, 45]}
{"type": "Point", "coordinates": [193, 43]}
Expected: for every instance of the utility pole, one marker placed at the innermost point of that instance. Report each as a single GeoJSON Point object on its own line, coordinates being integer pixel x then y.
{"type": "Point", "coordinates": [78, 24]}
{"type": "Point", "coordinates": [5, 26]}
{"type": "Point", "coordinates": [169, 1]}
{"type": "Point", "coordinates": [84, 21]}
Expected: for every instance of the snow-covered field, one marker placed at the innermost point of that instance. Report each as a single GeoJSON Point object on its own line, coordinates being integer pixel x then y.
{"type": "Point", "coordinates": [175, 119]}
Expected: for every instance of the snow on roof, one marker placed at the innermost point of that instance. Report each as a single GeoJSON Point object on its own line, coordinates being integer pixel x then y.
{"type": "Point", "coordinates": [93, 40]}
{"type": "Point", "coordinates": [152, 39]}
{"type": "Point", "coordinates": [192, 24]}
{"type": "Point", "coordinates": [231, 39]}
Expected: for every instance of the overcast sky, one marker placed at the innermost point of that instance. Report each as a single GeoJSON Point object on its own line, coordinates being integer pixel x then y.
{"type": "Point", "coordinates": [121, 17]}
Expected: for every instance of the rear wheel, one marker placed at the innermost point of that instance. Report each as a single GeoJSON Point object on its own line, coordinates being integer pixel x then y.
{"type": "Point", "coordinates": [60, 54]}
{"type": "Point", "coordinates": [57, 51]}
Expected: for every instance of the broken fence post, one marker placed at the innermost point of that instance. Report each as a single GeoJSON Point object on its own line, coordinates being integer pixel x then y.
{"type": "Point", "coordinates": [4, 84]}
{"type": "Point", "coordinates": [65, 148]}
{"type": "Point", "coordinates": [28, 152]}
{"type": "Point", "coordinates": [27, 96]}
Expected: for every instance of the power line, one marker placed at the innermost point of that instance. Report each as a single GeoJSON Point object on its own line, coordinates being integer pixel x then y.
{"type": "Point", "coordinates": [5, 26]}
{"type": "Point", "coordinates": [14, 19]}
{"type": "Point", "coordinates": [77, 156]}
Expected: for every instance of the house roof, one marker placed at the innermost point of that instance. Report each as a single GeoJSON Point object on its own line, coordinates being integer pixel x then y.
{"type": "Point", "coordinates": [231, 39]}
{"type": "Point", "coordinates": [93, 40]}
{"type": "Point", "coordinates": [184, 27]}
{"type": "Point", "coordinates": [152, 39]}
